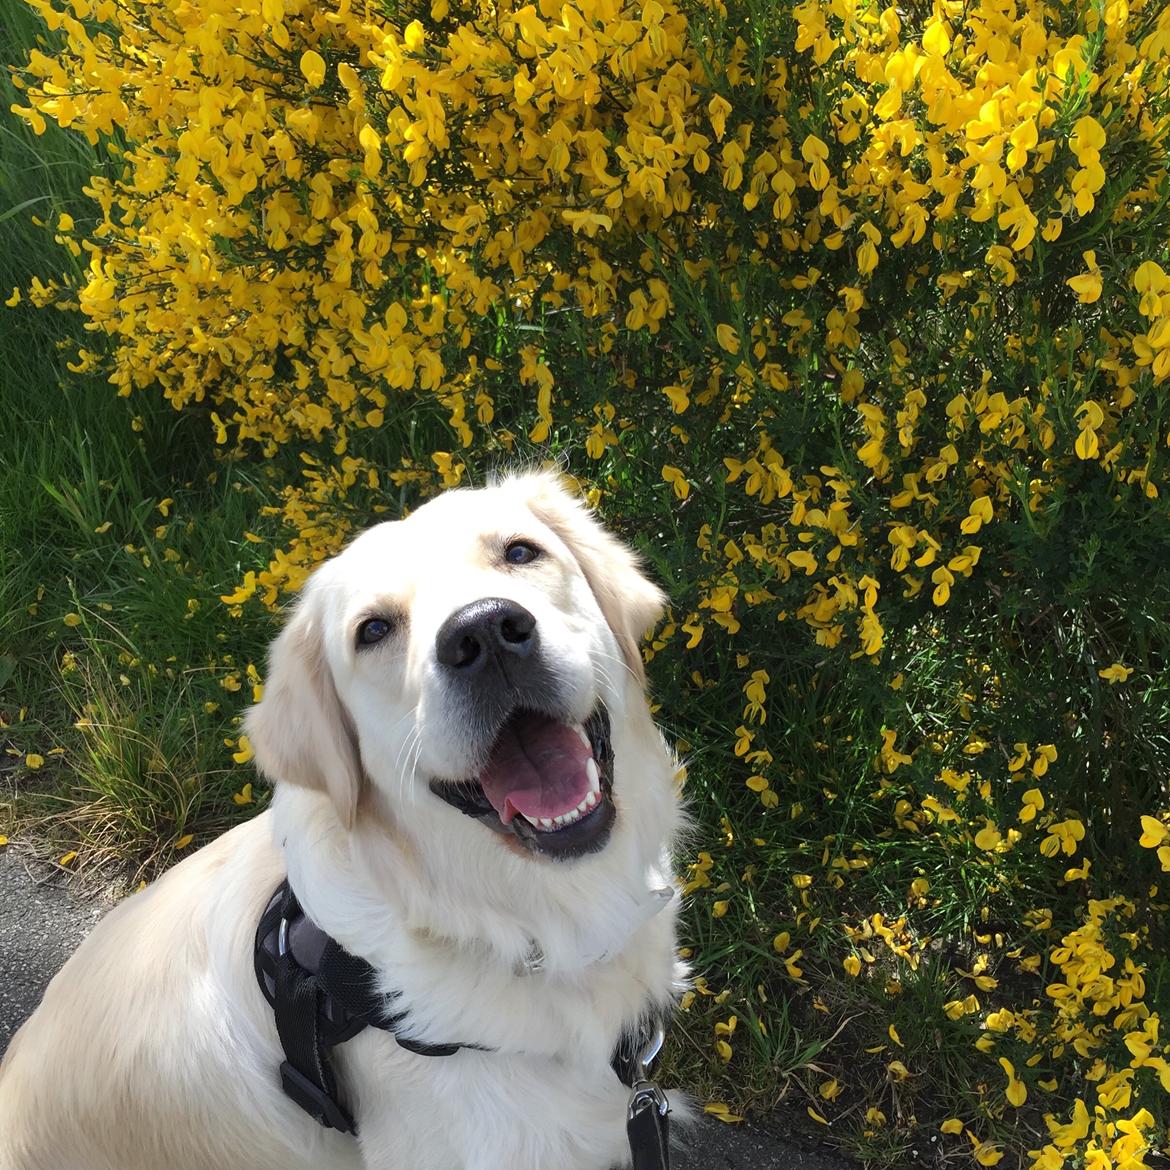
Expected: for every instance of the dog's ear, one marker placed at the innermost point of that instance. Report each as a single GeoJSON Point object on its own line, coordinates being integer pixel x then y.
{"type": "Point", "coordinates": [300, 730]}
{"type": "Point", "coordinates": [629, 602]}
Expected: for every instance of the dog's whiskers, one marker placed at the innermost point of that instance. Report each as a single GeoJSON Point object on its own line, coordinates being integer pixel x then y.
{"type": "Point", "coordinates": [411, 745]}
{"type": "Point", "coordinates": [606, 677]}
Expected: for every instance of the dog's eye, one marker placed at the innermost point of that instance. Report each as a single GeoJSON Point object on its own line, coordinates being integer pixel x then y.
{"type": "Point", "coordinates": [521, 553]}
{"type": "Point", "coordinates": [373, 630]}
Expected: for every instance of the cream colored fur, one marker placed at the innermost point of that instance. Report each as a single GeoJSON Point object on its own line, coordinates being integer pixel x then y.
{"type": "Point", "coordinates": [153, 1048]}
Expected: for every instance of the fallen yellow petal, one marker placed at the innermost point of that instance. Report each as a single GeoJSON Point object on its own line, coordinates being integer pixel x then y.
{"type": "Point", "coordinates": [719, 1110]}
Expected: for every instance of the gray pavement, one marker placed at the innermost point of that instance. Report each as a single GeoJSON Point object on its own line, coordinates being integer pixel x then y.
{"type": "Point", "coordinates": [43, 918]}
{"type": "Point", "coordinates": [41, 923]}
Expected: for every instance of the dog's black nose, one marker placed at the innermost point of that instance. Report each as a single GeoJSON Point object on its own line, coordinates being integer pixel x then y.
{"type": "Point", "coordinates": [491, 626]}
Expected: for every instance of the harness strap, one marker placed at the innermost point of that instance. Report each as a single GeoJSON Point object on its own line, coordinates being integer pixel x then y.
{"type": "Point", "coordinates": [324, 996]}
{"type": "Point", "coordinates": [306, 1074]}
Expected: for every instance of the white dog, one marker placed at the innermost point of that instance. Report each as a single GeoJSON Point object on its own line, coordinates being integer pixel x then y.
{"type": "Point", "coordinates": [471, 797]}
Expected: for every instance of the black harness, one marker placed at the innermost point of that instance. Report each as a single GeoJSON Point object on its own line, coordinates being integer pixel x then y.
{"type": "Point", "coordinates": [322, 995]}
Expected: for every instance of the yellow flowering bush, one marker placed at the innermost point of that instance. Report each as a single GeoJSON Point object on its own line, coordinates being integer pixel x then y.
{"type": "Point", "coordinates": [857, 316]}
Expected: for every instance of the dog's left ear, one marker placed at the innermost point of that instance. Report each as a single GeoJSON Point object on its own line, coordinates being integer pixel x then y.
{"type": "Point", "coordinates": [629, 602]}
{"type": "Point", "coordinates": [300, 730]}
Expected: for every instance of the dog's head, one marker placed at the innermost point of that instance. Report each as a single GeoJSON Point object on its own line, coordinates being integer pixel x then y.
{"type": "Point", "coordinates": [480, 654]}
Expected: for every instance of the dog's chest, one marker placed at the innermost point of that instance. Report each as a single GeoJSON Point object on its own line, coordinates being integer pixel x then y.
{"type": "Point", "coordinates": [486, 1111]}
{"type": "Point", "coordinates": [540, 1093]}
{"type": "Point", "coordinates": [576, 1017]}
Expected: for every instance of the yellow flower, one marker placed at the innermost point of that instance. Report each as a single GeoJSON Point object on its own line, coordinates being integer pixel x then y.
{"type": "Point", "coordinates": [72, 620]}
{"type": "Point", "coordinates": [980, 513]}
{"type": "Point", "coordinates": [1045, 755]}
{"type": "Point", "coordinates": [1087, 286]}
{"type": "Point", "coordinates": [989, 836]}
{"type": "Point", "coordinates": [985, 1153]}
{"type": "Point", "coordinates": [1117, 673]}
{"type": "Point", "coordinates": [677, 480]}
{"type": "Point", "coordinates": [727, 337]}
{"type": "Point", "coordinates": [1016, 1092]}
{"type": "Point", "coordinates": [1154, 833]}
{"type": "Point", "coordinates": [891, 758]}
{"type": "Point", "coordinates": [33, 760]}
{"type": "Point", "coordinates": [815, 152]}
{"type": "Point", "coordinates": [727, 1028]}
{"type": "Point", "coordinates": [936, 37]}
{"type": "Point", "coordinates": [1063, 836]}
{"type": "Point", "coordinates": [717, 110]}
{"type": "Point", "coordinates": [313, 68]}
{"type": "Point", "coordinates": [1033, 803]}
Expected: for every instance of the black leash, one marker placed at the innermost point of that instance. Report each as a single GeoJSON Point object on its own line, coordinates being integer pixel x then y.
{"type": "Point", "coordinates": [322, 995]}
{"type": "Point", "coordinates": [647, 1117]}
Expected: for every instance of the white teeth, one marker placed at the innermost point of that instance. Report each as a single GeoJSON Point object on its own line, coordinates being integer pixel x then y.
{"type": "Point", "coordinates": [593, 774]}
{"type": "Point", "coordinates": [589, 802]}
{"type": "Point", "coordinates": [583, 737]}
{"type": "Point", "coordinates": [550, 823]}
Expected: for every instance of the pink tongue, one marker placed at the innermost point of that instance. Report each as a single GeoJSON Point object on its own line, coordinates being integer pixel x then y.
{"type": "Point", "coordinates": [537, 768]}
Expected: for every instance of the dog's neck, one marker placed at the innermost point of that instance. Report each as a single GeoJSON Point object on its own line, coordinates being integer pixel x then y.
{"type": "Point", "coordinates": [372, 888]}
{"type": "Point", "coordinates": [535, 961]}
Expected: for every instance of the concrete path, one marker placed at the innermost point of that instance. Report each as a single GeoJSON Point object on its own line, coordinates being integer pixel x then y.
{"type": "Point", "coordinates": [42, 919]}
{"type": "Point", "coordinates": [41, 923]}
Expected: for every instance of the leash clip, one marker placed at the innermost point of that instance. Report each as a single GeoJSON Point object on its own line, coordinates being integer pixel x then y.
{"type": "Point", "coordinates": [643, 1091]}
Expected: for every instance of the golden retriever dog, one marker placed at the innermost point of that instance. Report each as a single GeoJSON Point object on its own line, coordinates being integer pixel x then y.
{"type": "Point", "coordinates": [472, 797]}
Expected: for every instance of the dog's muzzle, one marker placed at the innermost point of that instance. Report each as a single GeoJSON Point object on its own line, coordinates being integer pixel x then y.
{"type": "Point", "coordinates": [547, 783]}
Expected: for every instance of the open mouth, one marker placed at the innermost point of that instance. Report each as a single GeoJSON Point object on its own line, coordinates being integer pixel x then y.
{"type": "Point", "coordinates": [547, 783]}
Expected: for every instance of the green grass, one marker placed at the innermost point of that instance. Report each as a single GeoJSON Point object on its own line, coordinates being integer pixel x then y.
{"type": "Point", "coordinates": [125, 706]}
